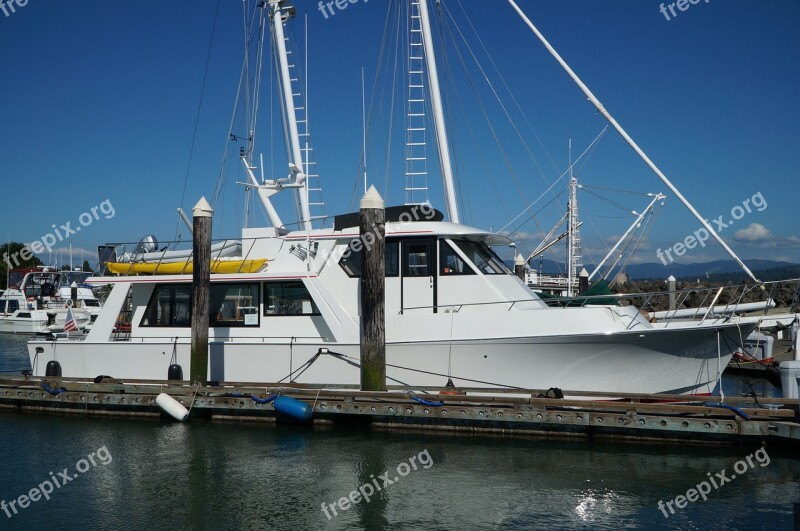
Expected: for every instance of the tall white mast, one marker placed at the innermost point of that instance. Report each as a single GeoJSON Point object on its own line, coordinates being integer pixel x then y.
{"type": "Point", "coordinates": [438, 115]}
{"type": "Point", "coordinates": [296, 164]}
{"type": "Point", "coordinates": [602, 110]}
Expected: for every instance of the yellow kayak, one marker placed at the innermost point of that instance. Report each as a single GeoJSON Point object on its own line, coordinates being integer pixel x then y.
{"type": "Point", "coordinates": [185, 267]}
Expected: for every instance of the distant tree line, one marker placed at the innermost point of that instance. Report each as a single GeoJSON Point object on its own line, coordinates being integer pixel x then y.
{"type": "Point", "coordinates": [11, 254]}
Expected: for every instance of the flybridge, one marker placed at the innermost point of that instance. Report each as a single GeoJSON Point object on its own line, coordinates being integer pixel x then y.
{"type": "Point", "coordinates": [401, 214]}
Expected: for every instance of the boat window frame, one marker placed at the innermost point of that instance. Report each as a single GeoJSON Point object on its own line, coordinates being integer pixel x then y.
{"type": "Point", "coordinates": [352, 267]}
{"type": "Point", "coordinates": [213, 322]}
{"type": "Point", "coordinates": [495, 263]}
{"type": "Point", "coordinates": [447, 246]}
{"type": "Point", "coordinates": [266, 297]}
{"type": "Point", "coordinates": [172, 286]}
{"type": "Point", "coordinates": [255, 289]}
{"type": "Point", "coordinates": [416, 270]}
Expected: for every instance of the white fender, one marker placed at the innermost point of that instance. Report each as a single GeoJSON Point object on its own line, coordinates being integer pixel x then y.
{"type": "Point", "coordinates": [172, 407]}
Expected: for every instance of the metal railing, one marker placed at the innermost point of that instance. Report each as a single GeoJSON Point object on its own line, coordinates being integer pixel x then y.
{"type": "Point", "coordinates": [709, 302]}
{"type": "Point", "coordinates": [175, 245]}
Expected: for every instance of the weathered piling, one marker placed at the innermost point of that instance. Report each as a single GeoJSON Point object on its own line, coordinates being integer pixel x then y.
{"type": "Point", "coordinates": [201, 288]}
{"type": "Point", "coordinates": [372, 229]}
{"type": "Point", "coordinates": [73, 293]}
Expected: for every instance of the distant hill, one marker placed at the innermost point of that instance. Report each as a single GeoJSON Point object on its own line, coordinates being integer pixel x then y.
{"type": "Point", "coordinates": [721, 270]}
{"type": "Point", "coordinates": [703, 270]}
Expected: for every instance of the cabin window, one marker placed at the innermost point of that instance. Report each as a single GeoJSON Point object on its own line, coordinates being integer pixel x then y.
{"type": "Point", "coordinates": [234, 305]}
{"type": "Point", "coordinates": [417, 259]}
{"type": "Point", "coordinates": [230, 305]}
{"type": "Point", "coordinates": [288, 298]}
{"type": "Point", "coordinates": [451, 263]}
{"type": "Point", "coordinates": [170, 305]}
{"type": "Point", "coordinates": [351, 260]}
{"type": "Point", "coordinates": [13, 306]}
{"type": "Point", "coordinates": [483, 257]}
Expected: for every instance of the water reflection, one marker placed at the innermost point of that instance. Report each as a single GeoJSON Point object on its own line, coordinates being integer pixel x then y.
{"type": "Point", "coordinates": [225, 475]}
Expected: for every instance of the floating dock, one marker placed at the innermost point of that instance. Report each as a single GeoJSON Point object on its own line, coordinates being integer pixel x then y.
{"type": "Point", "coordinates": [471, 410]}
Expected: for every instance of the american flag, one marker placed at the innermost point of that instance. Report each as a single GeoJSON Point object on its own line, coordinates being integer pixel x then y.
{"type": "Point", "coordinates": [70, 325]}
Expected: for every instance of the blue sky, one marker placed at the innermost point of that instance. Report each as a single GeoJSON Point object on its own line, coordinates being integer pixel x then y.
{"type": "Point", "coordinates": [99, 102]}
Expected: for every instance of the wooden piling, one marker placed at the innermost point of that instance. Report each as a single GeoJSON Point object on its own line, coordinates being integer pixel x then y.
{"type": "Point", "coordinates": [372, 230]}
{"type": "Point", "coordinates": [201, 291]}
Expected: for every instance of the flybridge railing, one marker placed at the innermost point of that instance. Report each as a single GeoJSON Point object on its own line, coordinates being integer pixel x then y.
{"type": "Point", "coordinates": [165, 257]}
{"type": "Point", "coordinates": [696, 304]}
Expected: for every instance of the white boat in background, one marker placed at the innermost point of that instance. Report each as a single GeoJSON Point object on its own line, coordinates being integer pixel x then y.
{"type": "Point", "coordinates": [34, 302]}
{"type": "Point", "coordinates": [453, 309]}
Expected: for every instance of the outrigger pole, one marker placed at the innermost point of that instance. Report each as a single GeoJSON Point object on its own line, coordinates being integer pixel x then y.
{"type": "Point", "coordinates": [629, 140]}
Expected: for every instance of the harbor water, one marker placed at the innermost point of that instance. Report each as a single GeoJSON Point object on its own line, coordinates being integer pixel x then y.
{"type": "Point", "coordinates": [113, 473]}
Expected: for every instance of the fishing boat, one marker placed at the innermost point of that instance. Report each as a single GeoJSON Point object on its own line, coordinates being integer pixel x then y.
{"type": "Point", "coordinates": [454, 311]}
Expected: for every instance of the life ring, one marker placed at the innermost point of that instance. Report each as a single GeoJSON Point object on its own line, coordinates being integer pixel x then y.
{"type": "Point", "coordinates": [68, 304]}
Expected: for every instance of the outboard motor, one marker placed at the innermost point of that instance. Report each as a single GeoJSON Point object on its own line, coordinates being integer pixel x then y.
{"type": "Point", "coordinates": [148, 244]}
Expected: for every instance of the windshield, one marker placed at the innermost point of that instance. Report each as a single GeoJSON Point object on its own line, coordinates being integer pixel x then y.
{"type": "Point", "coordinates": [483, 257]}
{"type": "Point", "coordinates": [79, 277]}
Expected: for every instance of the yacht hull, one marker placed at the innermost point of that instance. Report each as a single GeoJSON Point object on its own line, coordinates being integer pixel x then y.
{"type": "Point", "coordinates": [679, 360]}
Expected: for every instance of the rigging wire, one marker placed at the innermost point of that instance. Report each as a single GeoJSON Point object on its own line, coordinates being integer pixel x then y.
{"type": "Point", "coordinates": [492, 129]}
{"type": "Point", "coordinates": [607, 200]}
{"type": "Point", "coordinates": [510, 93]}
{"type": "Point", "coordinates": [617, 190]}
{"type": "Point", "coordinates": [197, 115]}
{"type": "Point", "coordinates": [494, 91]}
{"type": "Point", "coordinates": [382, 63]}
{"type": "Point", "coordinates": [564, 174]}
{"type": "Point", "coordinates": [234, 115]}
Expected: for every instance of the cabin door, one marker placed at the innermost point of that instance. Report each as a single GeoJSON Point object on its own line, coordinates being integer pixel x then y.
{"type": "Point", "coordinates": [418, 275]}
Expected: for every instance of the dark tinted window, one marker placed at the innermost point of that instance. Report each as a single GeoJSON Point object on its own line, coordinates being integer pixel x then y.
{"type": "Point", "coordinates": [288, 298]}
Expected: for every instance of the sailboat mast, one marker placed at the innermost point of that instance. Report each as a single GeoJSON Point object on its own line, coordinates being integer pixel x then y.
{"type": "Point", "coordinates": [296, 164]}
{"type": "Point", "coordinates": [438, 115]}
{"type": "Point", "coordinates": [602, 110]}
